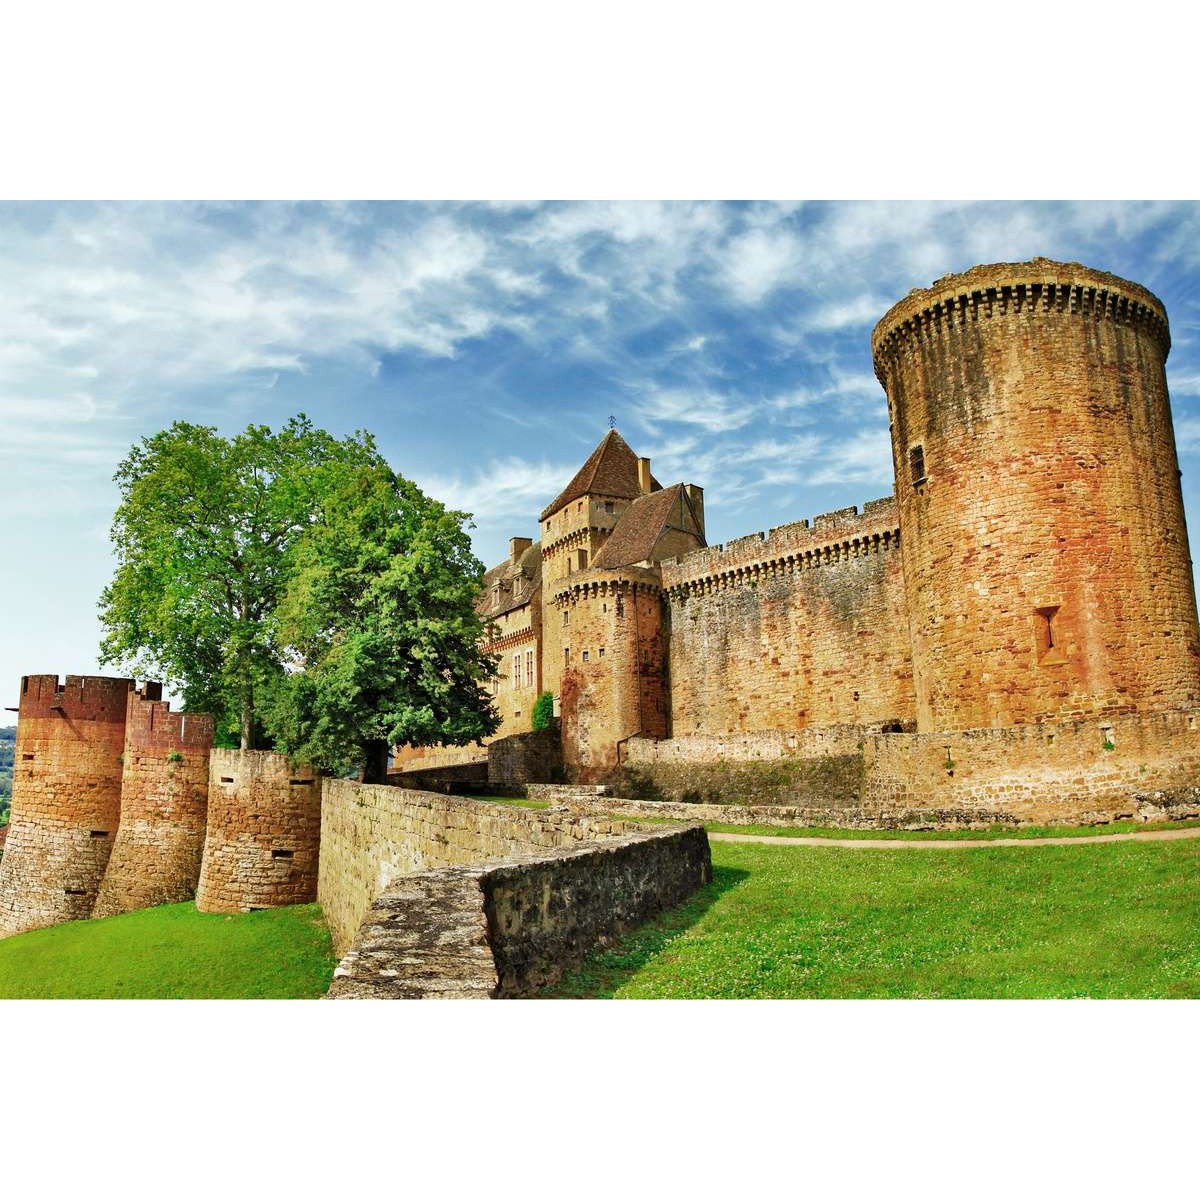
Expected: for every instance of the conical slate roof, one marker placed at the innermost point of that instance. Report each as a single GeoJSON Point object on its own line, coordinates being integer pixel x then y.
{"type": "Point", "coordinates": [610, 470]}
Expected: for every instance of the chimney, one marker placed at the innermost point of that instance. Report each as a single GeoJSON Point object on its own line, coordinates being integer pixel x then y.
{"type": "Point", "coordinates": [695, 495]}
{"type": "Point", "coordinates": [644, 476]}
{"type": "Point", "coordinates": [517, 547]}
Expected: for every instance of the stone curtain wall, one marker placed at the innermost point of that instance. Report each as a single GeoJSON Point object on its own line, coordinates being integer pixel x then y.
{"type": "Point", "coordinates": [374, 834]}
{"type": "Point", "coordinates": [1048, 773]}
{"type": "Point", "coordinates": [804, 626]}
{"type": "Point", "coordinates": [509, 928]}
{"type": "Point", "coordinates": [1054, 772]}
{"type": "Point", "coordinates": [164, 805]}
{"type": "Point", "coordinates": [262, 848]}
{"type": "Point", "coordinates": [66, 798]}
{"type": "Point", "coordinates": [535, 757]}
{"type": "Point", "coordinates": [1044, 546]}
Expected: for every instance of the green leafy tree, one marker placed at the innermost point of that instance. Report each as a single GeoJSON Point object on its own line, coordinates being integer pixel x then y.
{"type": "Point", "coordinates": [381, 615]}
{"type": "Point", "coordinates": [204, 536]}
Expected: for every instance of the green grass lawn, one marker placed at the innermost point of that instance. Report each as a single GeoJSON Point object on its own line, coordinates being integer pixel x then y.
{"type": "Point", "coordinates": [173, 952]}
{"type": "Point", "coordinates": [515, 801]}
{"type": "Point", "coordinates": [1101, 921]}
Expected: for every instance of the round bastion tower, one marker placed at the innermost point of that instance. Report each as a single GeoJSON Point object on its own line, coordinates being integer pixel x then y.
{"type": "Point", "coordinates": [66, 798]}
{"type": "Point", "coordinates": [1042, 530]}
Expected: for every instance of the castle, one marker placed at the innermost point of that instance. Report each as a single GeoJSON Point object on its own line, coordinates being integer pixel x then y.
{"type": "Point", "coordinates": [1019, 613]}
{"type": "Point", "coordinates": [1011, 636]}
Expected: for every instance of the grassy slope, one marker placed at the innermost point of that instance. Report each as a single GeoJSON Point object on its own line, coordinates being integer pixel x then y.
{"type": "Point", "coordinates": [1103, 921]}
{"type": "Point", "coordinates": [173, 952]}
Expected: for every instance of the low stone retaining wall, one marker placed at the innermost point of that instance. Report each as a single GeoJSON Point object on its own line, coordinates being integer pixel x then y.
{"type": "Point", "coordinates": [442, 779]}
{"type": "Point", "coordinates": [510, 928]}
{"type": "Point", "coordinates": [372, 835]}
{"type": "Point", "coordinates": [785, 816]}
{"type": "Point", "coordinates": [1139, 766]}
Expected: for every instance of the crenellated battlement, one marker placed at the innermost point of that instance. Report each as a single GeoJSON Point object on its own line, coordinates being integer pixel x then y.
{"type": "Point", "coordinates": [79, 697]}
{"type": "Point", "coordinates": [831, 538]}
{"type": "Point", "coordinates": [151, 725]}
{"type": "Point", "coordinates": [594, 583]}
{"type": "Point", "coordinates": [1001, 289]}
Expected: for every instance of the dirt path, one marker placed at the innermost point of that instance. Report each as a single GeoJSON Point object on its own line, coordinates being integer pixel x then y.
{"type": "Point", "coordinates": [1150, 835]}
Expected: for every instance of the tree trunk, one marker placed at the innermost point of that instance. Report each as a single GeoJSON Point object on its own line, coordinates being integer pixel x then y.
{"type": "Point", "coordinates": [375, 766]}
{"type": "Point", "coordinates": [248, 721]}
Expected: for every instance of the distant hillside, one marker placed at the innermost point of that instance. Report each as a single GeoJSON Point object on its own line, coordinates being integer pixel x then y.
{"type": "Point", "coordinates": [8, 741]}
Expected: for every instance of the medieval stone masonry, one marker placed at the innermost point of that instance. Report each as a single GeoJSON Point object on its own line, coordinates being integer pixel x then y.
{"type": "Point", "coordinates": [1010, 636]}
{"type": "Point", "coordinates": [976, 639]}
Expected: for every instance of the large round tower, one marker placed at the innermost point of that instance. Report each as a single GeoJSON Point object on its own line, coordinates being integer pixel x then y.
{"type": "Point", "coordinates": [66, 798]}
{"type": "Point", "coordinates": [164, 803]}
{"type": "Point", "coordinates": [1042, 530]}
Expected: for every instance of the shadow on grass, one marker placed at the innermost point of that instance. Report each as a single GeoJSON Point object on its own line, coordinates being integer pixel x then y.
{"type": "Point", "coordinates": [603, 972]}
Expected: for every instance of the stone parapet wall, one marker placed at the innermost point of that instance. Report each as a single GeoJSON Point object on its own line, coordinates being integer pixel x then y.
{"type": "Point", "coordinates": [442, 779]}
{"type": "Point", "coordinates": [262, 849]}
{"type": "Point", "coordinates": [511, 928]}
{"type": "Point", "coordinates": [786, 816]}
{"type": "Point", "coordinates": [372, 834]}
{"type": "Point", "coordinates": [1053, 772]}
{"type": "Point", "coordinates": [1048, 773]}
{"type": "Point", "coordinates": [66, 801]}
{"type": "Point", "coordinates": [164, 807]}
{"type": "Point", "coordinates": [830, 781]}
{"type": "Point", "coordinates": [762, 745]}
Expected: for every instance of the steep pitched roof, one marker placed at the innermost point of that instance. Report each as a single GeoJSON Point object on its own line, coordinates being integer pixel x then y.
{"type": "Point", "coordinates": [610, 470]}
{"type": "Point", "coordinates": [641, 525]}
{"type": "Point", "coordinates": [518, 584]}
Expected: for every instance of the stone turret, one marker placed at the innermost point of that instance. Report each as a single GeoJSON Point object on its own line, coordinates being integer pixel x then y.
{"type": "Point", "coordinates": [66, 805]}
{"type": "Point", "coordinates": [164, 803]}
{"type": "Point", "coordinates": [1042, 530]}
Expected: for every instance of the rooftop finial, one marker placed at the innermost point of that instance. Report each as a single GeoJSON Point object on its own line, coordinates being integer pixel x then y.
{"type": "Point", "coordinates": [612, 422]}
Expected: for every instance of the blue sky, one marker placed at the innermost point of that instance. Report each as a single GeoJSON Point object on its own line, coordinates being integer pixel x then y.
{"type": "Point", "coordinates": [486, 347]}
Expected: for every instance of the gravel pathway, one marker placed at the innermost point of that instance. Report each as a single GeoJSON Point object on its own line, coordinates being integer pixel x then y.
{"type": "Point", "coordinates": [1150, 835]}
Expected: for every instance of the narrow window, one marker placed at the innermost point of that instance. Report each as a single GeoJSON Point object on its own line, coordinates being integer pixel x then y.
{"type": "Point", "coordinates": [98, 833]}
{"type": "Point", "coordinates": [566, 617]}
{"type": "Point", "coordinates": [585, 656]}
{"type": "Point", "coordinates": [299, 782]}
{"type": "Point", "coordinates": [282, 853]}
{"type": "Point", "coordinates": [27, 757]}
{"type": "Point", "coordinates": [1048, 634]}
{"type": "Point", "coordinates": [601, 651]}
{"type": "Point", "coordinates": [609, 506]}
{"type": "Point", "coordinates": [582, 560]}
{"type": "Point", "coordinates": [566, 656]}
{"type": "Point", "coordinates": [226, 778]}
{"type": "Point", "coordinates": [516, 670]}
{"type": "Point", "coordinates": [916, 464]}
{"type": "Point", "coordinates": [529, 668]}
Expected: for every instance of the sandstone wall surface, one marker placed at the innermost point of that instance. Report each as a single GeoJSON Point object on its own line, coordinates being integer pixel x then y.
{"type": "Point", "coordinates": [373, 834]}
{"type": "Point", "coordinates": [615, 685]}
{"type": "Point", "coordinates": [1063, 772]}
{"type": "Point", "coordinates": [1045, 553]}
{"type": "Point", "coordinates": [262, 848]}
{"type": "Point", "coordinates": [534, 757]}
{"type": "Point", "coordinates": [164, 805]}
{"type": "Point", "coordinates": [804, 626]}
{"type": "Point", "coordinates": [66, 800]}
{"type": "Point", "coordinates": [510, 928]}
